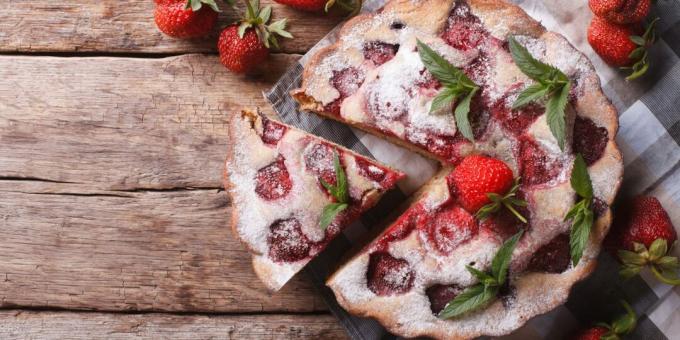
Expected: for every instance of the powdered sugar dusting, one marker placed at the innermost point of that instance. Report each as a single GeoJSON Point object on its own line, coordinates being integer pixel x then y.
{"type": "Point", "coordinates": [286, 224]}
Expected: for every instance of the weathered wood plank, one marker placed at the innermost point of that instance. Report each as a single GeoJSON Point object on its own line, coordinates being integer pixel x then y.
{"type": "Point", "coordinates": [75, 247]}
{"type": "Point", "coordinates": [122, 123]}
{"type": "Point", "coordinates": [126, 26]}
{"type": "Point", "coordinates": [67, 325]}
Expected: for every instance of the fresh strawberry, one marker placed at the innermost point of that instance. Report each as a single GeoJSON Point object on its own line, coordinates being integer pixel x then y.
{"type": "Point", "coordinates": [643, 234]}
{"type": "Point", "coordinates": [483, 185]}
{"type": "Point", "coordinates": [621, 11]}
{"type": "Point", "coordinates": [592, 333]}
{"type": "Point", "coordinates": [352, 6]}
{"type": "Point", "coordinates": [620, 45]}
{"type": "Point", "coordinates": [623, 325]}
{"type": "Point", "coordinates": [185, 18]}
{"type": "Point", "coordinates": [246, 44]}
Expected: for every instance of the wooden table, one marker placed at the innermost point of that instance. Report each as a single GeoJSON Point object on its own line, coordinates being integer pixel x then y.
{"type": "Point", "coordinates": [113, 219]}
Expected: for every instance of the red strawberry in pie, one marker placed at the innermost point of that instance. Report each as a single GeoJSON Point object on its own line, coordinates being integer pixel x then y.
{"type": "Point", "coordinates": [293, 193]}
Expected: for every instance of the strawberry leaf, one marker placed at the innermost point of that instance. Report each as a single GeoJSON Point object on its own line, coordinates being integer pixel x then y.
{"type": "Point", "coordinates": [627, 272]}
{"type": "Point", "coordinates": [329, 212]}
{"type": "Point", "coordinates": [658, 249]}
{"type": "Point", "coordinates": [265, 14]}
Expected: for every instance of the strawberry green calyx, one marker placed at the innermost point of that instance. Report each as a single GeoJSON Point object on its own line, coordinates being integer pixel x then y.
{"type": "Point", "coordinates": [258, 19]}
{"type": "Point", "coordinates": [662, 265]}
{"type": "Point", "coordinates": [640, 54]}
{"type": "Point", "coordinates": [196, 5]}
{"type": "Point", "coordinates": [509, 201]}
{"type": "Point", "coordinates": [351, 6]}
{"type": "Point", "coordinates": [623, 325]}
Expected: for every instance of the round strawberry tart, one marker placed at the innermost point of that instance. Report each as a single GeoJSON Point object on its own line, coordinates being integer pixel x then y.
{"type": "Point", "coordinates": [530, 165]}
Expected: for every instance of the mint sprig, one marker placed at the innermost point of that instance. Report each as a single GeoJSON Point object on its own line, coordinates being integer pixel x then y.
{"type": "Point", "coordinates": [550, 83]}
{"type": "Point", "coordinates": [457, 87]}
{"type": "Point", "coordinates": [486, 291]}
{"type": "Point", "coordinates": [338, 191]}
{"type": "Point", "coordinates": [509, 201]}
{"type": "Point", "coordinates": [581, 214]}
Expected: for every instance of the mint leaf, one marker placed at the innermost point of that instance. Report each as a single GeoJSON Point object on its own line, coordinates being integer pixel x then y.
{"type": "Point", "coordinates": [580, 231]}
{"type": "Point", "coordinates": [555, 108]}
{"type": "Point", "coordinates": [440, 68]}
{"type": "Point", "coordinates": [456, 84]}
{"type": "Point", "coordinates": [533, 68]}
{"type": "Point", "coordinates": [483, 277]}
{"type": "Point", "coordinates": [329, 213]}
{"type": "Point", "coordinates": [551, 82]}
{"type": "Point", "coordinates": [461, 116]}
{"type": "Point", "coordinates": [530, 94]}
{"type": "Point", "coordinates": [443, 99]}
{"type": "Point", "coordinates": [581, 213]}
{"type": "Point", "coordinates": [471, 299]}
{"type": "Point", "coordinates": [501, 262]}
{"type": "Point", "coordinates": [580, 179]}
{"type": "Point", "coordinates": [338, 191]}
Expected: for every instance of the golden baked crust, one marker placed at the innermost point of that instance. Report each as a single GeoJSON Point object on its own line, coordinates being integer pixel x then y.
{"type": "Point", "coordinates": [502, 19]}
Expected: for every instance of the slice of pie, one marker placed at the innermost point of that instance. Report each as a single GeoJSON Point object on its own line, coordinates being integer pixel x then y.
{"type": "Point", "coordinates": [281, 180]}
{"type": "Point", "coordinates": [374, 78]}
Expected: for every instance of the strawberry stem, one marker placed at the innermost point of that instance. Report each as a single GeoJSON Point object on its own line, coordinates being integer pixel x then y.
{"type": "Point", "coordinates": [667, 280]}
{"type": "Point", "coordinates": [515, 212]}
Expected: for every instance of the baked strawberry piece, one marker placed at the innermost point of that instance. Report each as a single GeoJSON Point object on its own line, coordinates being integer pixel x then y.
{"type": "Point", "coordinates": [293, 193]}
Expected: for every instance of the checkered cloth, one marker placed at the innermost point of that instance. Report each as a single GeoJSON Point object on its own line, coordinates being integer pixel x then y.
{"type": "Point", "coordinates": [649, 138]}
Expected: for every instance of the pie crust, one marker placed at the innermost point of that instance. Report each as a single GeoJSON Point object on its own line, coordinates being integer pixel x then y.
{"type": "Point", "coordinates": [372, 79]}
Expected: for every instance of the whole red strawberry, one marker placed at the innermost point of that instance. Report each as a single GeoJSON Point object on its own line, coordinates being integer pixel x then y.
{"type": "Point", "coordinates": [643, 234]}
{"type": "Point", "coordinates": [185, 18]}
{"type": "Point", "coordinates": [483, 185]}
{"type": "Point", "coordinates": [244, 45]}
{"type": "Point", "coordinates": [623, 325]}
{"type": "Point", "coordinates": [621, 11]}
{"type": "Point", "coordinates": [318, 5]}
{"type": "Point", "coordinates": [620, 45]}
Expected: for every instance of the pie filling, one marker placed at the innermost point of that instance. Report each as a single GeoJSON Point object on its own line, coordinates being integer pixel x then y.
{"type": "Point", "coordinates": [278, 175]}
{"type": "Point", "coordinates": [391, 92]}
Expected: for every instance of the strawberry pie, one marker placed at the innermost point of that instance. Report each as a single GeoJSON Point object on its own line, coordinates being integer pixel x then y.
{"type": "Point", "coordinates": [530, 165]}
{"type": "Point", "coordinates": [294, 193]}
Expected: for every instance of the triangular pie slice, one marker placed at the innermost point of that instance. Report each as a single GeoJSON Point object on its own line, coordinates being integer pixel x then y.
{"type": "Point", "coordinates": [372, 78]}
{"type": "Point", "coordinates": [273, 173]}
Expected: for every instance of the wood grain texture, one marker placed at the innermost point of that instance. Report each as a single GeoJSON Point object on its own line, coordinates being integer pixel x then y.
{"type": "Point", "coordinates": [122, 123]}
{"type": "Point", "coordinates": [73, 247]}
{"type": "Point", "coordinates": [79, 139]}
{"type": "Point", "coordinates": [127, 27]}
{"type": "Point", "coordinates": [67, 325]}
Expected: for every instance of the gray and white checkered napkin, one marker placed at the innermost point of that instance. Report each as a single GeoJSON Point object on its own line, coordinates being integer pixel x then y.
{"type": "Point", "coordinates": [649, 137]}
